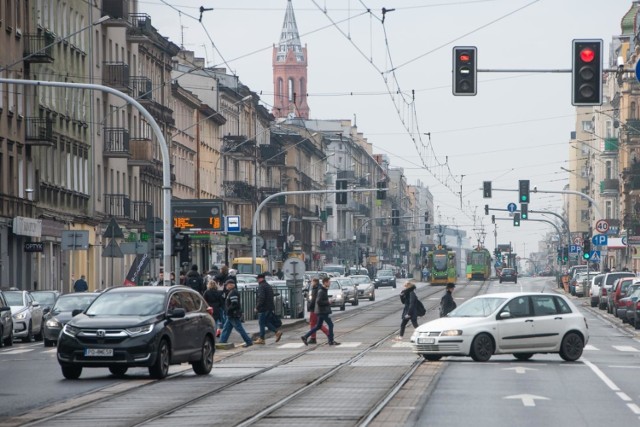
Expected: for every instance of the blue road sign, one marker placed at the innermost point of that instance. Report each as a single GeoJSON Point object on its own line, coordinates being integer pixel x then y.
{"type": "Point", "coordinates": [638, 71]}
{"type": "Point", "coordinates": [497, 264]}
{"type": "Point", "coordinates": [233, 223]}
{"type": "Point", "coordinates": [595, 256]}
{"type": "Point", "coordinates": [512, 207]}
{"type": "Point", "coordinates": [600, 240]}
{"type": "Point", "coordinates": [574, 249]}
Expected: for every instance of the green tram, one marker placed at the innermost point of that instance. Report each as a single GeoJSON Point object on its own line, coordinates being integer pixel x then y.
{"type": "Point", "coordinates": [479, 264]}
{"type": "Point", "coordinates": [441, 263]}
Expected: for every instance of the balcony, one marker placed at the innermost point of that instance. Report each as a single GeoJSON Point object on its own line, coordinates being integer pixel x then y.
{"type": "Point", "coordinates": [609, 187]}
{"type": "Point", "coordinates": [116, 9]}
{"type": "Point", "coordinates": [39, 131]}
{"type": "Point", "coordinates": [265, 192]}
{"type": "Point", "coordinates": [117, 206]}
{"type": "Point", "coordinates": [141, 150]}
{"type": "Point", "coordinates": [141, 211]}
{"type": "Point", "coordinates": [238, 145]}
{"type": "Point", "coordinates": [610, 147]}
{"type": "Point", "coordinates": [38, 48]}
{"type": "Point", "coordinates": [141, 88]}
{"type": "Point", "coordinates": [239, 190]}
{"type": "Point", "coordinates": [633, 128]}
{"type": "Point", "coordinates": [116, 143]}
{"type": "Point", "coordinates": [116, 75]}
{"type": "Point", "coordinates": [139, 26]}
{"type": "Point", "coordinates": [273, 155]}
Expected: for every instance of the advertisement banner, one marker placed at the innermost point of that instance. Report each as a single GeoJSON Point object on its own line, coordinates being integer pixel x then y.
{"type": "Point", "coordinates": [138, 266]}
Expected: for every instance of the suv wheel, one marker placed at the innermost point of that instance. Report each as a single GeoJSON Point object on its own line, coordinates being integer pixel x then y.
{"type": "Point", "coordinates": [71, 372]}
{"type": "Point", "coordinates": [160, 368]}
{"type": "Point", "coordinates": [204, 365]}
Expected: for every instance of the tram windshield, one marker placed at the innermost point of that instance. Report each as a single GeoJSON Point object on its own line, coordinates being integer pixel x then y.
{"type": "Point", "coordinates": [440, 261]}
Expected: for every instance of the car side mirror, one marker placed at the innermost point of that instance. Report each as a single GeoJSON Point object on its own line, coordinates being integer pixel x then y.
{"type": "Point", "coordinates": [177, 313]}
{"type": "Point", "coordinates": [504, 315]}
{"type": "Point", "coordinates": [75, 312]}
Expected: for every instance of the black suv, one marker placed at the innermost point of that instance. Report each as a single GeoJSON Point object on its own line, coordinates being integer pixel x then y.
{"type": "Point", "coordinates": [6, 322]}
{"type": "Point", "coordinates": [152, 326]}
{"type": "Point", "coordinates": [508, 275]}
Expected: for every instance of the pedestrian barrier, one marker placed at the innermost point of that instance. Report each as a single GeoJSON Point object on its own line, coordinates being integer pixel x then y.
{"type": "Point", "coordinates": [288, 301]}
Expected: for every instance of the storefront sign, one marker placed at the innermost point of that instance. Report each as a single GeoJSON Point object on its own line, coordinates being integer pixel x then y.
{"type": "Point", "coordinates": [27, 226]}
{"type": "Point", "coordinates": [34, 247]}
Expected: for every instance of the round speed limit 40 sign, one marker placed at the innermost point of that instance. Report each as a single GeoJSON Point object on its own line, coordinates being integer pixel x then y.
{"type": "Point", "coordinates": [602, 226]}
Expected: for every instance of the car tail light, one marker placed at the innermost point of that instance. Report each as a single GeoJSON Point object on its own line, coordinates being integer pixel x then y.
{"type": "Point", "coordinates": [638, 305]}
{"type": "Point", "coordinates": [210, 310]}
{"type": "Point", "coordinates": [604, 292]}
{"type": "Point", "coordinates": [628, 303]}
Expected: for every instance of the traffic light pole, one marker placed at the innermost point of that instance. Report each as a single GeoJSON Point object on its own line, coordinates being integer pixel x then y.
{"type": "Point", "coordinates": [256, 215]}
{"type": "Point", "coordinates": [164, 150]}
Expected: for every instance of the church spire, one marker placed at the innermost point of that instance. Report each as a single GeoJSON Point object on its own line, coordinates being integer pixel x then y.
{"type": "Point", "coordinates": [289, 37]}
{"type": "Point", "coordinates": [290, 71]}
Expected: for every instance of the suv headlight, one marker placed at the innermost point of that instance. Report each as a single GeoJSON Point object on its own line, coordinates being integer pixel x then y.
{"type": "Point", "coordinates": [139, 330]}
{"type": "Point", "coordinates": [53, 323]}
{"type": "Point", "coordinates": [72, 331]}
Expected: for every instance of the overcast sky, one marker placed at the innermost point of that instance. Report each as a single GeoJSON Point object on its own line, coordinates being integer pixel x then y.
{"type": "Point", "coordinates": [517, 127]}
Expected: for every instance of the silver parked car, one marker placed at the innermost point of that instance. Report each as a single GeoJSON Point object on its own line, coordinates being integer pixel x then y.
{"type": "Point", "coordinates": [6, 322]}
{"type": "Point", "coordinates": [27, 315]}
{"type": "Point", "coordinates": [366, 289]}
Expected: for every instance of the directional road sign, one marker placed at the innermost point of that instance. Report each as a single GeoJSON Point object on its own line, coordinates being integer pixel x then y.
{"type": "Point", "coordinates": [595, 256]}
{"type": "Point", "coordinates": [512, 207]}
{"type": "Point", "coordinates": [600, 240]}
{"type": "Point", "coordinates": [602, 226]}
{"type": "Point", "coordinates": [624, 240]}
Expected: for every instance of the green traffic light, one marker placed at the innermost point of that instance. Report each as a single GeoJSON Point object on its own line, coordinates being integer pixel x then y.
{"type": "Point", "coordinates": [586, 256]}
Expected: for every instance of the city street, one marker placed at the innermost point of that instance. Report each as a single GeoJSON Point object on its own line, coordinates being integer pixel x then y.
{"type": "Point", "coordinates": [369, 379]}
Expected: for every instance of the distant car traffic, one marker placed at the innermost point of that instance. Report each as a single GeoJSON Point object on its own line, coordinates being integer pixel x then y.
{"type": "Point", "coordinates": [46, 299]}
{"type": "Point", "coordinates": [384, 278]}
{"type": "Point", "coordinates": [336, 294]}
{"type": "Point", "coordinates": [349, 288]}
{"type": "Point", "coordinates": [61, 313]}
{"type": "Point", "coordinates": [605, 288]}
{"type": "Point", "coordinates": [27, 315]}
{"type": "Point", "coordinates": [147, 326]}
{"type": "Point", "coordinates": [6, 322]}
{"type": "Point", "coordinates": [521, 324]}
{"type": "Point", "coordinates": [508, 275]}
{"type": "Point", "coordinates": [366, 289]}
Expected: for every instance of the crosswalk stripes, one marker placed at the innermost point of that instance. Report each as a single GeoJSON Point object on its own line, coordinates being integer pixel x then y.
{"type": "Point", "coordinates": [18, 351]}
{"type": "Point", "coordinates": [405, 344]}
{"type": "Point", "coordinates": [590, 347]}
{"type": "Point", "coordinates": [625, 348]}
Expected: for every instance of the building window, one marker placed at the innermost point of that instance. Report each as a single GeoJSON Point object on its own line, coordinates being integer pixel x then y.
{"type": "Point", "coordinates": [607, 209]}
{"type": "Point", "coordinates": [632, 111]}
{"type": "Point", "coordinates": [608, 171]}
{"type": "Point", "coordinates": [587, 125]}
{"type": "Point", "coordinates": [291, 88]}
{"type": "Point", "coordinates": [584, 215]}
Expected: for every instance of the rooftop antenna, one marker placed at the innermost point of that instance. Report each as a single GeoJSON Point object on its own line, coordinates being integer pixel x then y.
{"type": "Point", "coordinates": [182, 28]}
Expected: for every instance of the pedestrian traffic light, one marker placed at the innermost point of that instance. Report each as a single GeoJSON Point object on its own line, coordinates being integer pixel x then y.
{"type": "Point", "coordinates": [586, 72]}
{"type": "Point", "coordinates": [178, 242]}
{"type": "Point", "coordinates": [486, 209]}
{"type": "Point", "coordinates": [381, 194]}
{"type": "Point", "coordinates": [158, 244]}
{"type": "Point", "coordinates": [465, 74]}
{"type": "Point", "coordinates": [493, 219]}
{"type": "Point", "coordinates": [395, 217]}
{"type": "Point", "coordinates": [341, 198]}
{"type": "Point", "coordinates": [486, 189]}
{"type": "Point", "coordinates": [524, 190]}
{"type": "Point", "coordinates": [516, 220]}
{"type": "Point", "coordinates": [586, 250]}
{"type": "Point", "coordinates": [524, 211]}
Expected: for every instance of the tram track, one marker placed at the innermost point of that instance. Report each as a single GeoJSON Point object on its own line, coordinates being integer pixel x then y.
{"type": "Point", "coordinates": [378, 312]}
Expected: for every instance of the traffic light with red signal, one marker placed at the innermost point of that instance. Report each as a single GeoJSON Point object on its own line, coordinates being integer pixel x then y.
{"type": "Point", "coordinates": [586, 72]}
{"type": "Point", "coordinates": [465, 70]}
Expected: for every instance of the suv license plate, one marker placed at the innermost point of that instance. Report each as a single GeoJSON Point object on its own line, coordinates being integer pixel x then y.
{"type": "Point", "coordinates": [98, 352]}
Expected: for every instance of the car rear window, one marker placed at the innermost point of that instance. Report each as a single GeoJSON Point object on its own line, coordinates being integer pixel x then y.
{"type": "Point", "coordinates": [613, 277]}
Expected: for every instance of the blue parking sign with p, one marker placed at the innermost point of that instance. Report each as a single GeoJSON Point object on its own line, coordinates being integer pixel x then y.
{"type": "Point", "coordinates": [600, 240]}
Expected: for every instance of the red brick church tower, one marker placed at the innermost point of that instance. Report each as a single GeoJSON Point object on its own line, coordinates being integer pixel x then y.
{"type": "Point", "coordinates": [290, 71]}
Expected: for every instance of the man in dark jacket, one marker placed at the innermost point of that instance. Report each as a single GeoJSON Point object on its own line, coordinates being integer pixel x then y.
{"type": "Point", "coordinates": [234, 316]}
{"type": "Point", "coordinates": [194, 280]}
{"type": "Point", "coordinates": [265, 308]}
{"type": "Point", "coordinates": [447, 303]}
{"type": "Point", "coordinates": [323, 310]}
{"type": "Point", "coordinates": [409, 313]}
{"type": "Point", "coordinates": [311, 307]}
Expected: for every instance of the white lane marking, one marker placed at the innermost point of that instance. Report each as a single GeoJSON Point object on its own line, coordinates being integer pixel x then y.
{"type": "Point", "coordinates": [625, 348]}
{"type": "Point", "coordinates": [624, 396]}
{"type": "Point", "coordinates": [519, 369]}
{"type": "Point", "coordinates": [527, 399]}
{"type": "Point", "coordinates": [292, 345]}
{"type": "Point", "coordinates": [624, 366]}
{"type": "Point", "coordinates": [53, 350]}
{"type": "Point", "coordinates": [350, 344]}
{"type": "Point", "coordinates": [634, 408]}
{"type": "Point", "coordinates": [18, 351]}
{"type": "Point", "coordinates": [590, 347]}
{"type": "Point", "coordinates": [601, 375]}
{"type": "Point", "coordinates": [401, 345]}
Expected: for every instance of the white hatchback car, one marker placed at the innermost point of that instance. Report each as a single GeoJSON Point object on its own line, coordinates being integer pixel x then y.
{"type": "Point", "coordinates": [521, 324]}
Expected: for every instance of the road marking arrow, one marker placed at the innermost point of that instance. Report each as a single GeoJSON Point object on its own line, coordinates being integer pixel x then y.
{"type": "Point", "coordinates": [527, 399]}
{"type": "Point", "coordinates": [520, 369]}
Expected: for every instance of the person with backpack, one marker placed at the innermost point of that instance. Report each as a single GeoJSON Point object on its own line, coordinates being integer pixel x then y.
{"type": "Point", "coordinates": [194, 280]}
{"type": "Point", "coordinates": [410, 311]}
{"type": "Point", "coordinates": [447, 304]}
{"type": "Point", "coordinates": [233, 308]}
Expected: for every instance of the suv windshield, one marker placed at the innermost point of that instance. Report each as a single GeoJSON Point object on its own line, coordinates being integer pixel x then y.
{"type": "Point", "coordinates": [127, 304]}
{"type": "Point", "coordinates": [384, 273]}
